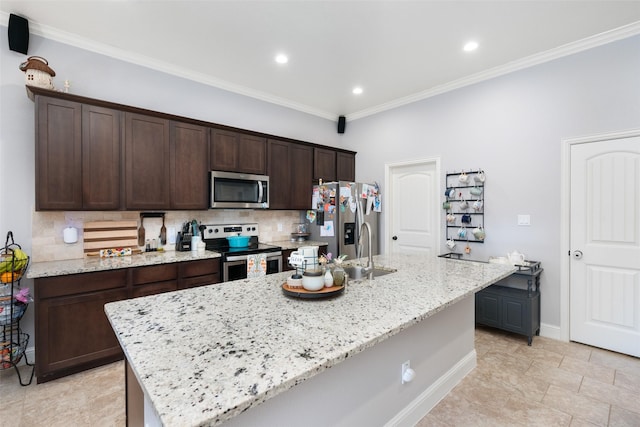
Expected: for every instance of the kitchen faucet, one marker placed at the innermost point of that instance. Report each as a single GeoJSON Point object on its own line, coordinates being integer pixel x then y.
{"type": "Point", "coordinates": [368, 270]}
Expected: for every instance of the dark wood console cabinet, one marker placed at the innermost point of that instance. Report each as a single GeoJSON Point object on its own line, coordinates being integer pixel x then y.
{"type": "Point", "coordinates": [72, 332]}
{"type": "Point", "coordinates": [511, 305]}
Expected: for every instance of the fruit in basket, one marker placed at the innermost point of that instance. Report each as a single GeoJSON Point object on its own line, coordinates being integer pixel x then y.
{"type": "Point", "coordinates": [13, 260]}
{"type": "Point", "coordinates": [10, 276]}
{"type": "Point", "coordinates": [21, 259]}
{"type": "Point", "coordinates": [6, 260]}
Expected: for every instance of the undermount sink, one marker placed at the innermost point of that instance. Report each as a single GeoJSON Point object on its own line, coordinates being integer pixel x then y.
{"type": "Point", "coordinates": [355, 272]}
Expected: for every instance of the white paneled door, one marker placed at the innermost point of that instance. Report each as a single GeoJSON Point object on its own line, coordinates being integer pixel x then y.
{"type": "Point", "coordinates": [414, 207]}
{"type": "Point", "coordinates": [605, 244]}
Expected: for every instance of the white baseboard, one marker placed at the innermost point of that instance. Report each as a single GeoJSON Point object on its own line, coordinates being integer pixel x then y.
{"type": "Point", "coordinates": [550, 331]}
{"type": "Point", "coordinates": [429, 398]}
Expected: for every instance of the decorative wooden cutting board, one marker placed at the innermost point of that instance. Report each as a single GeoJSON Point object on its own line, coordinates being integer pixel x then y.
{"type": "Point", "coordinates": [110, 234]}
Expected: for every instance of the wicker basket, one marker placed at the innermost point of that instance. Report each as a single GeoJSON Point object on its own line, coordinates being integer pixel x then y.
{"type": "Point", "coordinates": [10, 310]}
{"type": "Point", "coordinates": [12, 349]}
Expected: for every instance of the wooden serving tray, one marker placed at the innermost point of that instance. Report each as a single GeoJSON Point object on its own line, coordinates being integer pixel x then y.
{"type": "Point", "coordinates": [305, 294]}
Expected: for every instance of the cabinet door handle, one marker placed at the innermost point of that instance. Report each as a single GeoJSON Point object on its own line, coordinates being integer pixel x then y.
{"type": "Point", "coordinates": [394, 238]}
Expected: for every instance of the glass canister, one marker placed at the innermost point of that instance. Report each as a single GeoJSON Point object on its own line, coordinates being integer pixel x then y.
{"type": "Point", "coordinates": [338, 276]}
{"type": "Point", "coordinates": [299, 228]}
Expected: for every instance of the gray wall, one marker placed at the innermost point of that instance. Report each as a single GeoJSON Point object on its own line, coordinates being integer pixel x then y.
{"type": "Point", "coordinates": [512, 127]}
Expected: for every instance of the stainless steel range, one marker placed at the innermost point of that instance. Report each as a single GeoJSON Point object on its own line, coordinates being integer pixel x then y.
{"type": "Point", "coordinates": [234, 260]}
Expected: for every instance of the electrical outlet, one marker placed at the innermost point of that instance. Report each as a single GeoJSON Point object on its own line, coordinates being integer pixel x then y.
{"type": "Point", "coordinates": [279, 226]}
{"type": "Point", "coordinates": [405, 366]}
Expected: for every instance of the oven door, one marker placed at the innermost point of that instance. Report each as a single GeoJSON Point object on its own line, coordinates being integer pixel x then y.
{"type": "Point", "coordinates": [235, 267]}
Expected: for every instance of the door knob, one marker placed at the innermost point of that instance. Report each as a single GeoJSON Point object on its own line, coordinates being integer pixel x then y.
{"type": "Point", "coordinates": [394, 238]}
{"type": "Point", "coordinates": [577, 254]}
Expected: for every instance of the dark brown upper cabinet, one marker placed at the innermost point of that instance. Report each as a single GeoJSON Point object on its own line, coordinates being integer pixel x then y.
{"type": "Point", "coordinates": [146, 162]}
{"type": "Point", "coordinates": [290, 175]}
{"type": "Point", "coordinates": [324, 164]}
{"type": "Point", "coordinates": [279, 174]}
{"type": "Point", "coordinates": [189, 170]}
{"type": "Point", "coordinates": [345, 166]}
{"type": "Point", "coordinates": [101, 153]}
{"type": "Point", "coordinates": [301, 176]}
{"type": "Point", "coordinates": [77, 156]}
{"type": "Point", "coordinates": [58, 154]}
{"type": "Point", "coordinates": [238, 152]}
{"type": "Point", "coordinates": [98, 155]}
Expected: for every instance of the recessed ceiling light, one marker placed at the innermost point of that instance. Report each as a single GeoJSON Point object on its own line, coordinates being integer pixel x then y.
{"type": "Point", "coordinates": [470, 46]}
{"type": "Point", "coordinates": [282, 58]}
{"type": "Point", "coordinates": [357, 90]}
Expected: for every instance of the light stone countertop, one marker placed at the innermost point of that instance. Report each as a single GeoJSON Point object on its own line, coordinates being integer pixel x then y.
{"type": "Point", "coordinates": [95, 263]}
{"type": "Point", "coordinates": [204, 355]}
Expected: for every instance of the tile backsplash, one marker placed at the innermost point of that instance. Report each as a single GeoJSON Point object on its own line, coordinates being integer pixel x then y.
{"type": "Point", "coordinates": [48, 245]}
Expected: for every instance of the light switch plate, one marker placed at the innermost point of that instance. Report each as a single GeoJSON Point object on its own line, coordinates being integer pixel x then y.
{"type": "Point", "coordinates": [524, 219]}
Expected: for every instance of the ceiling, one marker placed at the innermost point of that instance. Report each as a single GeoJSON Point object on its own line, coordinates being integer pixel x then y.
{"type": "Point", "coordinates": [397, 51]}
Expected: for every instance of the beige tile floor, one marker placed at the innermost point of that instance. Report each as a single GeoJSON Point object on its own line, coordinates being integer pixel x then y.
{"type": "Point", "coordinates": [548, 384]}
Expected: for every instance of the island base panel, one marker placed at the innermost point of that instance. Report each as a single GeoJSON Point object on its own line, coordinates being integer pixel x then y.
{"type": "Point", "coordinates": [366, 389]}
{"type": "Point", "coordinates": [134, 398]}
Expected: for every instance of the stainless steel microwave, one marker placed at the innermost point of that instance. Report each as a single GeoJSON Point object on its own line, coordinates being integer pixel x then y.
{"type": "Point", "coordinates": [230, 190]}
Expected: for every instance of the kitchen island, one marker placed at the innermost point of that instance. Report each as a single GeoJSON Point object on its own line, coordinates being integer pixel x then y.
{"type": "Point", "coordinates": [207, 355]}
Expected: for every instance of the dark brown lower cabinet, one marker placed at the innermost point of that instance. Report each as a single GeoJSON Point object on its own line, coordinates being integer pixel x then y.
{"type": "Point", "coordinates": [154, 279]}
{"type": "Point", "coordinates": [72, 332]}
{"type": "Point", "coordinates": [198, 273]}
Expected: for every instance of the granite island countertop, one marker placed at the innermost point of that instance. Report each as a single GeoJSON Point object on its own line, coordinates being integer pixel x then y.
{"type": "Point", "coordinates": [204, 355]}
{"type": "Point", "coordinates": [95, 263]}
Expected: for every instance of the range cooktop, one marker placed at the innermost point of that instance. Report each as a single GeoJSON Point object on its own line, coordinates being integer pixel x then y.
{"type": "Point", "coordinates": [215, 237]}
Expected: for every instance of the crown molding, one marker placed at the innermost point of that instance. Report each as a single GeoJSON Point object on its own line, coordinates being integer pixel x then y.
{"type": "Point", "coordinates": [183, 72]}
{"type": "Point", "coordinates": [529, 61]}
{"type": "Point", "coordinates": [64, 37]}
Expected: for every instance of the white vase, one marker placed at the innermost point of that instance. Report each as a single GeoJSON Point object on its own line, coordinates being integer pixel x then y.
{"type": "Point", "coordinates": [328, 279]}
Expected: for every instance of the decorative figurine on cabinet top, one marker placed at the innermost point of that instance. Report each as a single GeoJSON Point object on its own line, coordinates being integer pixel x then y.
{"type": "Point", "coordinates": [37, 72]}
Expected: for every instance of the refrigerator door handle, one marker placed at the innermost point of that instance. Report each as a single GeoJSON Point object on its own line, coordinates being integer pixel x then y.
{"type": "Point", "coordinates": [359, 221]}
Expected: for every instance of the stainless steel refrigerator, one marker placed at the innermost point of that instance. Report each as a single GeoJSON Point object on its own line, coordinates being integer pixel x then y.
{"type": "Point", "coordinates": [337, 212]}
